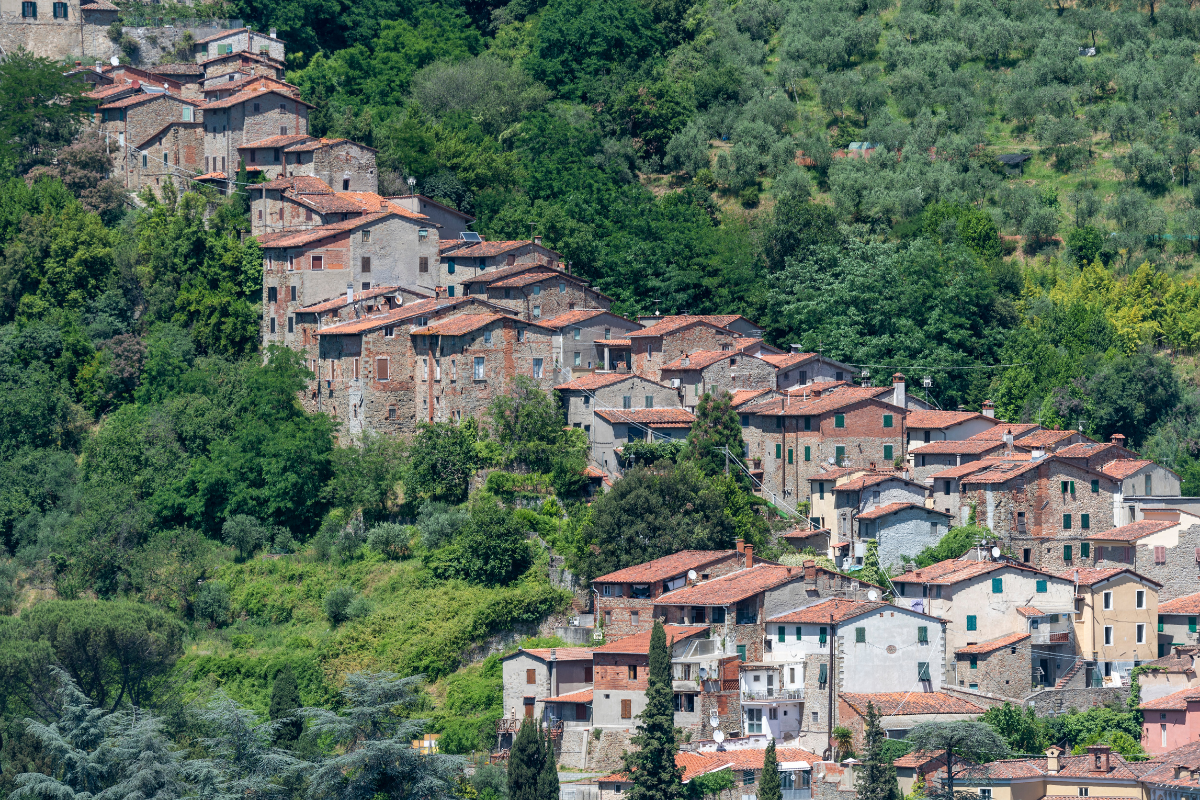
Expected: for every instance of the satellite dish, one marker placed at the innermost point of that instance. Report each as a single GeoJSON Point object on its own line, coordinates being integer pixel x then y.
{"type": "Point", "coordinates": [691, 574]}
{"type": "Point", "coordinates": [718, 736]}
{"type": "Point", "coordinates": [713, 721]}
{"type": "Point", "coordinates": [872, 595]}
{"type": "Point", "coordinates": [114, 61]}
{"type": "Point", "coordinates": [830, 459]}
{"type": "Point", "coordinates": [703, 674]}
{"type": "Point", "coordinates": [995, 552]}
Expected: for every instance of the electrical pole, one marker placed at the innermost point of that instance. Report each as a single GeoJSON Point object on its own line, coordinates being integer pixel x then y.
{"type": "Point", "coordinates": [726, 449]}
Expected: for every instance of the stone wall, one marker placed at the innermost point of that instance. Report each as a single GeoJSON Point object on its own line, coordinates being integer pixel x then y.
{"type": "Point", "coordinates": [1005, 671]}
{"type": "Point", "coordinates": [1059, 701]}
{"type": "Point", "coordinates": [652, 353]}
{"type": "Point", "coordinates": [605, 753]}
{"type": "Point", "coordinates": [545, 298]}
{"type": "Point", "coordinates": [81, 36]}
{"type": "Point", "coordinates": [155, 42]}
{"type": "Point", "coordinates": [907, 532]}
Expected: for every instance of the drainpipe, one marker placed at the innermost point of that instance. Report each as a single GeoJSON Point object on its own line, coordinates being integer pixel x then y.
{"type": "Point", "coordinates": [832, 682]}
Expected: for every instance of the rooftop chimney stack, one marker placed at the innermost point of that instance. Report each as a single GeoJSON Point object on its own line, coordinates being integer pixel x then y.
{"type": "Point", "coordinates": [749, 556]}
{"type": "Point", "coordinates": [1118, 439]}
{"type": "Point", "coordinates": [796, 348]}
{"type": "Point", "coordinates": [537, 240]}
{"type": "Point", "coordinates": [899, 396]}
{"type": "Point", "coordinates": [989, 409]}
{"type": "Point", "coordinates": [1037, 454]}
{"type": "Point", "coordinates": [1052, 760]}
{"type": "Point", "coordinates": [1008, 439]}
{"type": "Point", "coordinates": [272, 33]}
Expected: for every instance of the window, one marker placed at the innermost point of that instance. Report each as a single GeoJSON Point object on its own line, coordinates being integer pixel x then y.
{"type": "Point", "coordinates": [626, 402]}
{"type": "Point", "coordinates": [1148, 485]}
{"type": "Point", "coordinates": [887, 452]}
{"type": "Point", "coordinates": [1108, 636]}
{"type": "Point", "coordinates": [537, 311]}
{"type": "Point", "coordinates": [1041, 587]}
{"type": "Point", "coordinates": [822, 633]}
{"type": "Point", "coordinates": [1085, 549]}
{"type": "Point", "coordinates": [808, 423]}
{"type": "Point", "coordinates": [1141, 633]}
{"type": "Point", "coordinates": [649, 401]}
{"type": "Point", "coordinates": [985, 794]}
{"type": "Point", "coordinates": [1140, 599]}
{"type": "Point", "coordinates": [531, 676]}
{"type": "Point", "coordinates": [272, 324]}
{"type": "Point", "coordinates": [366, 263]}
{"type": "Point", "coordinates": [1066, 522]}
{"type": "Point", "coordinates": [1066, 552]}
{"type": "Point", "coordinates": [1095, 486]}
{"type": "Point", "coordinates": [520, 334]}
{"type": "Point", "coordinates": [356, 375]}
{"type": "Point", "coordinates": [839, 420]}
{"type": "Point", "coordinates": [626, 709]}
{"type": "Point", "coordinates": [807, 453]}
{"type": "Point", "coordinates": [839, 454]}
{"type": "Point", "coordinates": [997, 585]}
{"type": "Point", "coordinates": [537, 368]}
{"type": "Point", "coordinates": [923, 671]}
{"type": "Point", "coordinates": [922, 635]}
{"type": "Point", "coordinates": [748, 774]}
{"type": "Point", "coordinates": [823, 673]}
{"type": "Point", "coordinates": [271, 294]}
{"type": "Point", "coordinates": [391, 412]}
{"type": "Point", "coordinates": [632, 670]}
{"type": "Point", "coordinates": [1191, 624]}
{"type": "Point", "coordinates": [887, 420]}
{"type": "Point", "coordinates": [778, 452]}
{"type": "Point", "coordinates": [1108, 601]}
{"type": "Point", "coordinates": [741, 652]}
{"type": "Point", "coordinates": [782, 633]}
{"type": "Point", "coordinates": [971, 623]}
{"type": "Point", "coordinates": [292, 289]}
{"type": "Point", "coordinates": [144, 167]}
{"type": "Point", "coordinates": [745, 420]}
{"type": "Point", "coordinates": [423, 264]}
{"type": "Point", "coordinates": [308, 215]}
{"type": "Point", "coordinates": [382, 369]}
{"type": "Point", "coordinates": [29, 10]}
{"type": "Point", "coordinates": [1083, 791]}
{"type": "Point", "coordinates": [60, 12]}
{"type": "Point", "coordinates": [166, 160]}
{"type": "Point", "coordinates": [974, 662]}
{"type": "Point", "coordinates": [790, 453]}
{"type": "Point", "coordinates": [291, 324]}
{"type": "Point", "coordinates": [318, 262]}
{"type": "Point", "coordinates": [860, 635]}
{"type": "Point", "coordinates": [487, 337]}
{"type": "Point", "coordinates": [821, 488]}
{"type": "Point", "coordinates": [633, 617]}
{"type": "Point", "coordinates": [579, 362]}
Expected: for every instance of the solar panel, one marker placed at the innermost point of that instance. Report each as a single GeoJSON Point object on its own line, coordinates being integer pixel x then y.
{"type": "Point", "coordinates": [470, 236]}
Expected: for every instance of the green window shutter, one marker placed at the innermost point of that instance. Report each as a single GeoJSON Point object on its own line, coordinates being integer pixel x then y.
{"type": "Point", "coordinates": [923, 670]}
{"type": "Point", "coordinates": [971, 625]}
{"type": "Point", "coordinates": [1095, 486]}
{"type": "Point", "coordinates": [797, 633]}
{"type": "Point", "coordinates": [1062, 487]}
{"type": "Point", "coordinates": [1072, 487]}
{"type": "Point", "coordinates": [821, 635]}
{"type": "Point", "coordinates": [1160, 624]}
{"type": "Point", "coordinates": [839, 420]}
{"type": "Point", "coordinates": [807, 453]}
{"type": "Point", "coordinates": [741, 652]}
{"type": "Point", "coordinates": [1066, 522]}
{"type": "Point", "coordinates": [923, 635]}
{"type": "Point", "coordinates": [839, 453]}
{"type": "Point", "coordinates": [974, 662]}
{"type": "Point", "coordinates": [860, 635]}
{"type": "Point", "coordinates": [887, 420]}
{"type": "Point", "coordinates": [997, 585]}
{"type": "Point", "coordinates": [823, 676]}
{"type": "Point", "coordinates": [1085, 522]}
{"type": "Point", "coordinates": [779, 450]}
{"type": "Point", "coordinates": [1066, 552]}
{"type": "Point", "coordinates": [1085, 549]}
{"type": "Point", "coordinates": [1041, 587]}
{"type": "Point", "coordinates": [887, 452]}
{"type": "Point", "coordinates": [1191, 624]}
{"type": "Point", "coordinates": [790, 454]}
{"type": "Point", "coordinates": [782, 634]}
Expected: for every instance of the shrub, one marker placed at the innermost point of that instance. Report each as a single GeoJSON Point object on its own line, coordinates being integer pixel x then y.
{"type": "Point", "coordinates": [337, 604]}
{"type": "Point", "coordinates": [212, 603]}
{"type": "Point", "coordinates": [359, 608]}
{"type": "Point", "coordinates": [245, 535]}
{"type": "Point", "coordinates": [748, 197]}
{"type": "Point", "coordinates": [389, 539]}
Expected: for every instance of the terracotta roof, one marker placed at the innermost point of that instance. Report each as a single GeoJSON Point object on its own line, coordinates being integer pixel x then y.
{"type": "Point", "coordinates": [786, 360]}
{"type": "Point", "coordinates": [618, 342]}
{"type": "Point", "coordinates": [212, 176]}
{"type": "Point", "coordinates": [793, 406]}
{"type": "Point", "coordinates": [696, 764]}
{"type": "Point", "coordinates": [1188, 604]}
{"type": "Point", "coordinates": [954, 571]}
{"type": "Point", "coordinates": [746, 395]}
{"type": "Point", "coordinates": [892, 508]}
{"type": "Point", "coordinates": [582, 696]}
{"type": "Point", "coordinates": [595, 380]}
{"type": "Point", "coordinates": [574, 317]}
{"type": "Point", "coordinates": [178, 69]}
{"type": "Point", "coordinates": [297, 238]}
{"type": "Point", "coordinates": [1003, 472]}
{"type": "Point", "coordinates": [841, 610]}
{"type": "Point", "coordinates": [672, 324]}
{"type": "Point", "coordinates": [301, 183]}
{"type": "Point", "coordinates": [639, 643]}
{"type": "Point", "coordinates": [704, 358]}
{"type": "Point", "coordinates": [992, 645]}
{"type": "Point", "coordinates": [1122, 468]}
{"type": "Point", "coordinates": [457, 326]}
{"type": "Point", "coordinates": [890, 704]}
{"type": "Point", "coordinates": [253, 94]}
{"type": "Point", "coordinates": [1029, 611]}
{"type": "Point", "coordinates": [661, 417]}
{"type": "Point", "coordinates": [873, 479]}
{"type": "Point", "coordinates": [261, 57]}
{"type": "Point", "coordinates": [962, 470]}
{"type": "Point", "coordinates": [560, 653]}
{"type": "Point", "coordinates": [732, 587]}
{"type": "Point", "coordinates": [1043, 439]}
{"type": "Point", "coordinates": [326, 203]}
{"type": "Point", "coordinates": [666, 567]}
{"type": "Point", "coordinates": [1161, 770]}
{"type": "Point", "coordinates": [920, 758]}
{"type": "Point", "coordinates": [804, 534]}
{"type": "Point", "coordinates": [341, 302]}
{"type": "Point", "coordinates": [317, 144]}
{"type": "Point", "coordinates": [372, 201]}
{"type": "Point", "coordinates": [486, 249]}
{"type": "Point", "coordinates": [278, 140]}
{"type": "Point", "coordinates": [395, 316]}
{"type": "Point", "coordinates": [1069, 766]}
{"type": "Point", "coordinates": [526, 278]}
{"type": "Point", "coordinates": [1173, 702]}
{"type": "Point", "coordinates": [998, 432]}
{"type": "Point", "coordinates": [594, 472]}
{"type": "Point", "coordinates": [111, 90]}
{"type": "Point", "coordinates": [939, 420]}
{"type": "Point", "coordinates": [236, 85]}
{"type": "Point", "coordinates": [98, 5]}
{"type": "Point", "coordinates": [1090, 577]}
{"type": "Point", "coordinates": [1132, 532]}
{"type": "Point", "coordinates": [1175, 662]}
{"type": "Point", "coordinates": [141, 97]}
{"type": "Point", "coordinates": [221, 35]}
{"type": "Point", "coordinates": [965, 447]}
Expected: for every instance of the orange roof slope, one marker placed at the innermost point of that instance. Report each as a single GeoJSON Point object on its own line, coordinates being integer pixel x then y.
{"type": "Point", "coordinates": [1133, 531]}
{"type": "Point", "coordinates": [938, 420]}
{"type": "Point", "coordinates": [666, 567]}
{"type": "Point", "coordinates": [992, 644]}
{"type": "Point", "coordinates": [667, 417]}
{"type": "Point", "coordinates": [840, 610]}
{"type": "Point", "coordinates": [732, 587]}
{"type": "Point", "coordinates": [639, 643]}
{"type": "Point", "coordinates": [1188, 604]}
{"type": "Point", "coordinates": [894, 703]}
{"type": "Point", "coordinates": [1173, 702]}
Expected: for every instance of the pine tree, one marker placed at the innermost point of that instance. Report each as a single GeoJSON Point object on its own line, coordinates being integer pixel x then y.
{"type": "Point", "coordinates": [770, 787]}
{"type": "Point", "coordinates": [715, 427]}
{"type": "Point", "coordinates": [243, 762]}
{"type": "Point", "coordinates": [285, 699]}
{"type": "Point", "coordinates": [547, 785]}
{"type": "Point", "coordinates": [525, 763]}
{"type": "Point", "coordinates": [652, 765]}
{"type": "Point", "coordinates": [876, 776]}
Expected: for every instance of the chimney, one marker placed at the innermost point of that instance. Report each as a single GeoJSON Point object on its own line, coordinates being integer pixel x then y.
{"type": "Point", "coordinates": [439, 292]}
{"type": "Point", "coordinates": [810, 570]}
{"type": "Point", "coordinates": [1100, 757]}
{"type": "Point", "coordinates": [537, 239]}
{"type": "Point", "coordinates": [272, 33]}
{"type": "Point", "coordinates": [989, 409]}
{"type": "Point", "coordinates": [741, 546]}
{"type": "Point", "coordinates": [796, 348]}
{"type": "Point", "coordinates": [1037, 454]}
{"type": "Point", "coordinates": [749, 556]}
{"type": "Point", "coordinates": [1118, 439]}
{"type": "Point", "coordinates": [1052, 760]}
{"type": "Point", "coordinates": [1183, 772]}
{"type": "Point", "coordinates": [1008, 439]}
{"type": "Point", "coordinates": [349, 294]}
{"type": "Point", "coordinates": [899, 398]}
{"type": "Point", "coordinates": [79, 63]}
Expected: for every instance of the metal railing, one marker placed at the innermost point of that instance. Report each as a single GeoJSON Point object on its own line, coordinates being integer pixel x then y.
{"type": "Point", "coordinates": [1043, 636]}
{"type": "Point", "coordinates": [782, 694]}
{"type": "Point", "coordinates": [797, 794]}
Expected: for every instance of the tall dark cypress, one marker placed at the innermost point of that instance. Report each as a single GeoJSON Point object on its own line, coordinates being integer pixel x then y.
{"type": "Point", "coordinates": [654, 773]}
{"type": "Point", "coordinates": [525, 762]}
{"type": "Point", "coordinates": [285, 699]}
{"type": "Point", "coordinates": [547, 788]}
{"type": "Point", "coordinates": [876, 776]}
{"type": "Point", "coordinates": [770, 787]}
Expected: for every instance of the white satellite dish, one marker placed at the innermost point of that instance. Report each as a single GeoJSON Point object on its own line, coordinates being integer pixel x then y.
{"type": "Point", "coordinates": [713, 721]}
{"type": "Point", "coordinates": [691, 574]}
{"type": "Point", "coordinates": [830, 460]}
{"type": "Point", "coordinates": [995, 552]}
{"type": "Point", "coordinates": [872, 595]}
{"type": "Point", "coordinates": [718, 736]}
{"type": "Point", "coordinates": [114, 61]}
{"type": "Point", "coordinates": [703, 674]}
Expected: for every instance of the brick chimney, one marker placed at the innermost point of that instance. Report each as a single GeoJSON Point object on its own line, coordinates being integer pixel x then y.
{"type": "Point", "coordinates": [749, 556]}
{"type": "Point", "coordinates": [439, 292]}
{"type": "Point", "coordinates": [810, 570]}
{"type": "Point", "coordinates": [989, 409]}
{"type": "Point", "coordinates": [1118, 439]}
{"type": "Point", "coordinates": [1100, 757]}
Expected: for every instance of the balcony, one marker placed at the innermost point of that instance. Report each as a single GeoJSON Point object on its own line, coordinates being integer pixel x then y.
{"type": "Point", "coordinates": [1044, 636]}
{"type": "Point", "coordinates": [784, 695]}
{"type": "Point", "coordinates": [797, 794]}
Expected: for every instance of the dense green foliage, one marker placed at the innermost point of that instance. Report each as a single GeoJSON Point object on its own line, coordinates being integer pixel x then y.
{"type": "Point", "coordinates": [1027, 733]}
{"type": "Point", "coordinates": [651, 765]}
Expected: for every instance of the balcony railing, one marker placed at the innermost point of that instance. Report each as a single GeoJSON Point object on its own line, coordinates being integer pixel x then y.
{"type": "Point", "coordinates": [769, 697]}
{"type": "Point", "coordinates": [797, 794]}
{"type": "Point", "coordinates": [1047, 636]}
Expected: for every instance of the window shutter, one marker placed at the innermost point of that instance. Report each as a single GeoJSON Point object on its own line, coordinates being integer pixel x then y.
{"type": "Point", "coordinates": [790, 454]}
{"type": "Point", "coordinates": [887, 452]}
{"type": "Point", "coordinates": [997, 585]}
{"type": "Point", "coordinates": [1160, 554]}
{"type": "Point", "coordinates": [923, 671]}
{"type": "Point", "coordinates": [1041, 587]}
{"type": "Point", "coordinates": [1095, 486]}
{"type": "Point", "coordinates": [779, 450]}
{"type": "Point", "coordinates": [860, 635]}
{"type": "Point", "coordinates": [1066, 522]}
{"type": "Point", "coordinates": [797, 633]}
{"type": "Point", "coordinates": [808, 457]}
{"type": "Point", "coordinates": [1085, 522]}
{"type": "Point", "coordinates": [1191, 624]}
{"type": "Point", "coordinates": [839, 420]}
{"type": "Point", "coordinates": [782, 634]}
{"type": "Point", "coordinates": [923, 634]}
{"type": "Point", "coordinates": [823, 676]}
{"type": "Point", "coordinates": [626, 709]}
{"type": "Point", "coordinates": [1066, 552]}
{"type": "Point", "coordinates": [381, 369]}
{"type": "Point", "coordinates": [1085, 549]}
{"type": "Point", "coordinates": [887, 420]}
{"type": "Point", "coordinates": [531, 676]}
{"type": "Point", "coordinates": [971, 623]}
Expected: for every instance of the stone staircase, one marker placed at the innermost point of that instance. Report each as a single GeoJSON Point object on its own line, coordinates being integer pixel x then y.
{"type": "Point", "coordinates": [1065, 680]}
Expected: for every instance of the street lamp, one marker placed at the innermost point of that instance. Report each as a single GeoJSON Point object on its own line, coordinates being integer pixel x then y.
{"type": "Point", "coordinates": [412, 182]}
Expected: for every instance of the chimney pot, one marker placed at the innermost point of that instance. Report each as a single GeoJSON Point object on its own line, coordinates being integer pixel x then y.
{"type": "Point", "coordinates": [537, 240]}
{"type": "Point", "coordinates": [749, 555]}
{"type": "Point", "coordinates": [989, 409]}
{"type": "Point", "coordinates": [1118, 439]}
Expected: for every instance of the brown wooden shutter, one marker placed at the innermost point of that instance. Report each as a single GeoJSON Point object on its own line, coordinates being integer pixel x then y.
{"type": "Point", "coordinates": [381, 369]}
{"type": "Point", "coordinates": [423, 264]}
{"type": "Point", "coordinates": [626, 709]}
{"type": "Point", "coordinates": [531, 676]}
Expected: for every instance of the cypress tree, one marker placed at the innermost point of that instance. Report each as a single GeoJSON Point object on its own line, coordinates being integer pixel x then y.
{"type": "Point", "coordinates": [770, 787]}
{"type": "Point", "coordinates": [285, 699]}
{"type": "Point", "coordinates": [547, 786]}
{"type": "Point", "coordinates": [525, 762]}
{"type": "Point", "coordinates": [652, 766]}
{"type": "Point", "coordinates": [876, 776]}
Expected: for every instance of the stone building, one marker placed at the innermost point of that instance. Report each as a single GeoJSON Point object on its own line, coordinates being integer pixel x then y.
{"type": "Point", "coordinates": [470, 265]}
{"type": "Point", "coordinates": [798, 369]}
{"type": "Point", "coordinates": [251, 115]}
{"type": "Point", "coordinates": [172, 154]}
{"type": "Point", "coordinates": [222, 87]}
{"type": "Point", "coordinates": [241, 40]}
{"type": "Point", "coordinates": [935, 457]}
{"type": "Point", "coordinates": [599, 403]}
{"type": "Point", "coordinates": [670, 339]}
{"type": "Point", "coordinates": [1161, 549]}
{"type": "Point", "coordinates": [1116, 618]}
{"type": "Point", "coordinates": [704, 372]}
{"type": "Point", "coordinates": [59, 31]}
{"type": "Point", "coordinates": [1177, 623]}
{"type": "Point", "coordinates": [587, 339]}
{"type": "Point", "coordinates": [888, 509]}
{"type": "Point", "coordinates": [452, 221]}
{"type": "Point", "coordinates": [625, 598]}
{"type": "Point", "coordinates": [533, 674]}
{"type": "Point", "coordinates": [621, 670]}
{"type": "Point", "coordinates": [335, 162]}
{"type": "Point", "coordinates": [900, 712]}
{"type": "Point", "coordinates": [926, 427]}
{"type": "Point", "coordinates": [240, 61]}
{"type": "Point", "coordinates": [613, 428]}
{"type": "Point", "coordinates": [535, 294]}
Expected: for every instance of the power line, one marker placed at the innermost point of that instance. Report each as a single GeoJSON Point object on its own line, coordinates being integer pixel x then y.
{"type": "Point", "coordinates": [937, 368]}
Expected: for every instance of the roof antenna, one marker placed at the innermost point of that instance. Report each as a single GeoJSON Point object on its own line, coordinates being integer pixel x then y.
{"type": "Point", "coordinates": [656, 302]}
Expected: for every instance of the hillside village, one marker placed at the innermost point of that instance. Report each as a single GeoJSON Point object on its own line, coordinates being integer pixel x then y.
{"type": "Point", "coordinates": [405, 316]}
